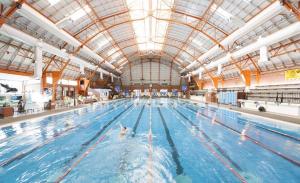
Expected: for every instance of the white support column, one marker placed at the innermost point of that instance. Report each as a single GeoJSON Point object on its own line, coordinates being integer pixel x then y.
{"type": "Point", "coordinates": [38, 63]}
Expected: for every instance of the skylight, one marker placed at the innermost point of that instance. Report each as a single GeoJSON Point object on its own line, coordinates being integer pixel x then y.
{"type": "Point", "coordinates": [53, 2]}
{"type": "Point", "coordinates": [80, 13]}
{"type": "Point", "coordinates": [221, 12]}
{"type": "Point", "coordinates": [150, 32]}
{"type": "Point", "coordinates": [197, 42]}
{"type": "Point", "coordinates": [101, 41]}
{"type": "Point", "coordinates": [115, 55]}
{"type": "Point", "coordinates": [118, 61]}
{"type": "Point", "coordinates": [111, 52]}
{"type": "Point", "coordinates": [247, 1]}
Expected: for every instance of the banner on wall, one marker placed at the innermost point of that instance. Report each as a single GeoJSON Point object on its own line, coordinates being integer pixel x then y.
{"type": "Point", "coordinates": [292, 74]}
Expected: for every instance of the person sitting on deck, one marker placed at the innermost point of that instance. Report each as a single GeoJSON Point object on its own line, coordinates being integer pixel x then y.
{"type": "Point", "coordinates": [48, 105]}
{"type": "Point", "coordinates": [21, 106]}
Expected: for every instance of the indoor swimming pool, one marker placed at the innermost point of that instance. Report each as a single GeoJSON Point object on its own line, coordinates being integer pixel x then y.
{"type": "Point", "coordinates": [167, 140]}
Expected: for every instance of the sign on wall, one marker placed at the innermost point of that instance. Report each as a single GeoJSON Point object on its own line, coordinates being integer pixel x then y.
{"type": "Point", "coordinates": [292, 74]}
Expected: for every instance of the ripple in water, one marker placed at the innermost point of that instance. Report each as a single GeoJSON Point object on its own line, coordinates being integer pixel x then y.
{"type": "Point", "coordinates": [124, 159]}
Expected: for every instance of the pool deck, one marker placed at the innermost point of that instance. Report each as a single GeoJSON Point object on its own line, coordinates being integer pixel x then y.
{"type": "Point", "coordinates": [274, 116]}
{"type": "Point", "coordinates": [8, 120]}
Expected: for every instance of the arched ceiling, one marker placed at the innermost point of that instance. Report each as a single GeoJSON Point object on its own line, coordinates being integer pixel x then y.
{"type": "Point", "coordinates": [125, 31]}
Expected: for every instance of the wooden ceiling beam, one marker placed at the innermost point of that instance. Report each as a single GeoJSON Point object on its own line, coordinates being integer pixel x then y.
{"type": "Point", "coordinates": [6, 71]}
{"type": "Point", "coordinates": [10, 12]}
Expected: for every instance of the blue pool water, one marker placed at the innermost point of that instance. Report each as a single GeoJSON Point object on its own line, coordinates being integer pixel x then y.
{"type": "Point", "coordinates": [168, 140]}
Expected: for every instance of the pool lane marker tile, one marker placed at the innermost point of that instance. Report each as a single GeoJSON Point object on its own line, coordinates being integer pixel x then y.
{"type": "Point", "coordinates": [90, 149]}
{"type": "Point", "coordinates": [213, 152]}
{"type": "Point", "coordinates": [175, 155]}
{"type": "Point", "coordinates": [137, 122]}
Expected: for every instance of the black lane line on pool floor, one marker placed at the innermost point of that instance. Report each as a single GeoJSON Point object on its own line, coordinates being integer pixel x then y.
{"type": "Point", "coordinates": [295, 162]}
{"type": "Point", "coordinates": [218, 148]}
{"type": "Point", "coordinates": [87, 143]}
{"type": "Point", "coordinates": [260, 127]}
{"type": "Point", "coordinates": [125, 152]}
{"type": "Point", "coordinates": [212, 151]}
{"type": "Point", "coordinates": [22, 155]}
{"type": "Point", "coordinates": [74, 110]}
{"type": "Point", "coordinates": [72, 166]}
{"type": "Point", "coordinates": [137, 122]}
{"type": "Point", "coordinates": [175, 155]}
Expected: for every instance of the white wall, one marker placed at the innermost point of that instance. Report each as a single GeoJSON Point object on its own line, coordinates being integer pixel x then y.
{"type": "Point", "coordinates": [136, 71]}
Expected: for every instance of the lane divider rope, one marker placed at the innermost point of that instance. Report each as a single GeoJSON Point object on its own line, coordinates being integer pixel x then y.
{"type": "Point", "coordinates": [25, 153]}
{"type": "Point", "coordinates": [213, 152]}
{"type": "Point", "coordinates": [91, 148]}
{"type": "Point", "coordinates": [295, 162]}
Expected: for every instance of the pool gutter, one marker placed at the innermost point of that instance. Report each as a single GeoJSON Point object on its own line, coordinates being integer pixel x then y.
{"type": "Point", "coordinates": [19, 119]}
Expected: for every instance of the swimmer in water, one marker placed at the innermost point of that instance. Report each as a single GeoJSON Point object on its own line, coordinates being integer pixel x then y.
{"type": "Point", "coordinates": [193, 130]}
{"type": "Point", "coordinates": [67, 124]}
{"type": "Point", "coordinates": [243, 134]}
{"type": "Point", "coordinates": [123, 131]}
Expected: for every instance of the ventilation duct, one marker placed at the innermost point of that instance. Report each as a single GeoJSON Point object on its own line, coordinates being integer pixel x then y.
{"type": "Point", "coordinates": [276, 37]}
{"type": "Point", "coordinates": [29, 40]}
{"type": "Point", "coordinates": [34, 16]}
{"type": "Point", "coordinates": [270, 12]}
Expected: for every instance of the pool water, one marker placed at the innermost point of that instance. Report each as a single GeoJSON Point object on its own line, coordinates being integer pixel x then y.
{"type": "Point", "coordinates": [167, 140]}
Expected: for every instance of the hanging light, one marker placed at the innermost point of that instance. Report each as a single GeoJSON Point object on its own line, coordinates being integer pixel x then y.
{"type": "Point", "coordinates": [200, 75]}
{"type": "Point", "coordinates": [101, 75]}
{"type": "Point", "coordinates": [81, 68]}
{"type": "Point", "coordinates": [219, 69]}
{"type": "Point", "coordinates": [112, 78]}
